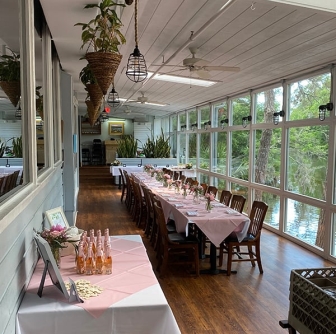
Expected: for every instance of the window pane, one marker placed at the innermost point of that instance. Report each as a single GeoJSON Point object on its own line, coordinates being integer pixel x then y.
{"type": "Point", "coordinates": [220, 113]}
{"type": "Point", "coordinates": [308, 160]}
{"type": "Point", "coordinates": [240, 109]}
{"type": "Point", "coordinates": [220, 184]}
{"type": "Point", "coordinates": [182, 120]}
{"type": "Point", "coordinates": [267, 103]}
{"type": "Point", "coordinates": [205, 115]}
{"type": "Point", "coordinates": [268, 157]}
{"type": "Point", "coordinates": [182, 145]}
{"type": "Point", "coordinates": [333, 241]}
{"type": "Point", "coordinates": [204, 178]}
{"type": "Point", "coordinates": [219, 154]}
{"type": "Point", "coordinates": [173, 123]}
{"type": "Point", "coordinates": [192, 148]}
{"type": "Point", "coordinates": [302, 222]}
{"type": "Point", "coordinates": [173, 142]}
{"type": "Point", "coordinates": [204, 151]}
{"type": "Point", "coordinates": [240, 154]}
{"type": "Point", "coordinates": [240, 190]}
{"type": "Point", "coordinates": [307, 95]}
{"type": "Point", "coordinates": [272, 215]}
{"type": "Point", "coordinates": [192, 118]}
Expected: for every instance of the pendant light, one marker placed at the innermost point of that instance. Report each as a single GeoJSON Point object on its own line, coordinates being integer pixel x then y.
{"type": "Point", "coordinates": [113, 98]}
{"type": "Point", "coordinates": [136, 67]}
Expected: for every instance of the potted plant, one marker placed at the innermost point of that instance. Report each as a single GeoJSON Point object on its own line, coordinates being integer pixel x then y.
{"type": "Point", "coordinates": [2, 147]}
{"type": "Point", "coordinates": [158, 148]}
{"type": "Point", "coordinates": [127, 147]}
{"type": "Point", "coordinates": [10, 76]}
{"type": "Point", "coordinates": [103, 35]}
{"type": "Point", "coordinates": [17, 147]}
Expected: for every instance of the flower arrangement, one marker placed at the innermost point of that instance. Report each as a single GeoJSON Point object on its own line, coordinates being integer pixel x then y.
{"type": "Point", "coordinates": [166, 176]}
{"type": "Point", "coordinates": [159, 175]}
{"type": "Point", "coordinates": [209, 198]}
{"type": "Point", "coordinates": [116, 163]}
{"type": "Point", "coordinates": [197, 189]}
{"type": "Point", "coordinates": [148, 168]}
{"type": "Point", "coordinates": [185, 187]}
{"type": "Point", "coordinates": [189, 165]}
{"type": "Point", "coordinates": [56, 236]}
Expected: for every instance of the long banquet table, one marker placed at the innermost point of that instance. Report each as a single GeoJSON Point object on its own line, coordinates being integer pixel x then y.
{"type": "Point", "coordinates": [131, 302]}
{"type": "Point", "coordinates": [216, 225]}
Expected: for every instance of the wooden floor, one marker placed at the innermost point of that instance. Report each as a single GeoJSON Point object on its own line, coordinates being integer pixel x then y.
{"type": "Point", "coordinates": [243, 303]}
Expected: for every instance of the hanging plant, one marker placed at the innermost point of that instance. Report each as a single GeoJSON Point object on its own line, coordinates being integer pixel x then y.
{"type": "Point", "coordinates": [39, 101]}
{"type": "Point", "coordinates": [10, 76]}
{"type": "Point", "coordinates": [103, 35]}
{"type": "Point", "coordinates": [90, 82]}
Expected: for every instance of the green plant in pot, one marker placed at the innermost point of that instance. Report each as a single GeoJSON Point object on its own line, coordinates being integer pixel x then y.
{"type": "Point", "coordinates": [17, 147]}
{"type": "Point", "coordinates": [158, 148]}
{"type": "Point", "coordinates": [103, 35]}
{"type": "Point", "coordinates": [127, 147]}
{"type": "Point", "coordinates": [10, 76]}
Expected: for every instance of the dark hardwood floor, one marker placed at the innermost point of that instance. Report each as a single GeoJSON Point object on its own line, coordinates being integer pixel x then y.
{"type": "Point", "coordinates": [246, 302]}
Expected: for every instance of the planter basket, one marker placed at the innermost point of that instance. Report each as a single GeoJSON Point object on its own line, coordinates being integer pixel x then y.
{"type": "Point", "coordinates": [12, 89]}
{"type": "Point", "coordinates": [95, 94]}
{"type": "Point", "coordinates": [93, 112]}
{"type": "Point", "coordinates": [103, 65]}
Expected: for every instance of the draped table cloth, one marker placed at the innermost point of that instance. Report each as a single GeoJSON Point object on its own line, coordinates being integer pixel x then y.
{"type": "Point", "coordinates": [131, 301]}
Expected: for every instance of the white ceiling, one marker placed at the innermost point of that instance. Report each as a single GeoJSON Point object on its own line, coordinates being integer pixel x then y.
{"type": "Point", "coordinates": [269, 41]}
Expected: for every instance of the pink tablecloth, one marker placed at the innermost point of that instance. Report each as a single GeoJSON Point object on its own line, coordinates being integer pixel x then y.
{"type": "Point", "coordinates": [216, 225]}
{"type": "Point", "coordinates": [131, 273]}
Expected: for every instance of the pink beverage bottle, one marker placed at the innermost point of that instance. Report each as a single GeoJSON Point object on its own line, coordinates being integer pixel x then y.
{"type": "Point", "coordinates": [108, 261]}
{"type": "Point", "coordinates": [89, 266]}
{"type": "Point", "coordinates": [99, 260]}
{"type": "Point", "coordinates": [80, 263]}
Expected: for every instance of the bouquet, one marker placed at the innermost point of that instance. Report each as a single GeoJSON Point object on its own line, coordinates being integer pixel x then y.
{"type": "Point", "coordinates": [197, 189]}
{"type": "Point", "coordinates": [116, 163]}
{"type": "Point", "coordinates": [159, 175]}
{"type": "Point", "coordinates": [148, 168]}
{"type": "Point", "coordinates": [166, 177]}
{"type": "Point", "coordinates": [189, 166]}
{"type": "Point", "coordinates": [209, 198]}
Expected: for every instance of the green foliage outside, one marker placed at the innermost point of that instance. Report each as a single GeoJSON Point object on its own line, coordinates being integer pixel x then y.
{"type": "Point", "coordinates": [10, 67]}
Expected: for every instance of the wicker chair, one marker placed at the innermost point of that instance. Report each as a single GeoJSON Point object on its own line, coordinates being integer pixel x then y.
{"type": "Point", "coordinates": [225, 197]}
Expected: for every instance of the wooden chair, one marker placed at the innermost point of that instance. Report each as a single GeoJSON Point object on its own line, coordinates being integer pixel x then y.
{"type": "Point", "coordinates": [139, 212]}
{"type": "Point", "coordinates": [189, 180]}
{"type": "Point", "coordinates": [124, 185]}
{"type": "Point", "coordinates": [183, 179]}
{"type": "Point", "coordinates": [2, 182]}
{"type": "Point", "coordinates": [176, 176]}
{"type": "Point", "coordinates": [237, 203]}
{"type": "Point", "coordinates": [129, 192]}
{"type": "Point", "coordinates": [149, 210]}
{"type": "Point", "coordinates": [225, 197]}
{"type": "Point", "coordinates": [205, 187]}
{"type": "Point", "coordinates": [193, 182]}
{"type": "Point", "coordinates": [8, 183]}
{"type": "Point", "coordinates": [251, 241]}
{"type": "Point", "coordinates": [175, 248]}
{"type": "Point", "coordinates": [212, 189]}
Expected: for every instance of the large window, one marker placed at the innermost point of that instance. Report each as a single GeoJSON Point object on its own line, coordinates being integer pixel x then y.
{"type": "Point", "coordinates": [240, 154]}
{"type": "Point", "coordinates": [219, 152]}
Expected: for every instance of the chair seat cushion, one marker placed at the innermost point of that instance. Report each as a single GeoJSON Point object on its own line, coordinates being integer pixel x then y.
{"type": "Point", "coordinates": [181, 238]}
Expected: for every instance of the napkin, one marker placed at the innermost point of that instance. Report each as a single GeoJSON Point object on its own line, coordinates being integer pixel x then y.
{"type": "Point", "coordinates": [178, 205]}
{"type": "Point", "coordinates": [217, 204]}
{"type": "Point", "coordinates": [165, 195]}
{"type": "Point", "coordinates": [232, 212]}
{"type": "Point", "coordinates": [191, 213]}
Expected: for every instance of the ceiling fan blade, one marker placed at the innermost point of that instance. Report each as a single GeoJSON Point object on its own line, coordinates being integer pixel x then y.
{"type": "Point", "coordinates": [168, 65]}
{"type": "Point", "coordinates": [201, 62]}
{"type": "Point", "coordinates": [204, 74]}
{"type": "Point", "coordinates": [222, 68]}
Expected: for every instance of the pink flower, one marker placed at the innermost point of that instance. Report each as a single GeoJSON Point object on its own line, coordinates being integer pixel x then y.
{"type": "Point", "coordinates": [209, 196]}
{"type": "Point", "coordinates": [166, 176]}
{"type": "Point", "coordinates": [55, 234]}
{"type": "Point", "coordinates": [57, 228]}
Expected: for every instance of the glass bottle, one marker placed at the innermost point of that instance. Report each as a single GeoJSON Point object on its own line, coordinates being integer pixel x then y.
{"type": "Point", "coordinates": [89, 263]}
{"type": "Point", "coordinates": [108, 261]}
{"type": "Point", "coordinates": [99, 260]}
{"type": "Point", "coordinates": [93, 242]}
{"type": "Point", "coordinates": [80, 260]}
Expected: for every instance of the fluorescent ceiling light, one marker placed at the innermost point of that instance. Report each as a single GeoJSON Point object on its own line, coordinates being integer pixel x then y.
{"type": "Point", "coordinates": [148, 103]}
{"type": "Point", "coordinates": [182, 79]}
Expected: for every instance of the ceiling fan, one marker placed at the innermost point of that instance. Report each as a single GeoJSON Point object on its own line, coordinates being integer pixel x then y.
{"type": "Point", "coordinates": [128, 112]}
{"type": "Point", "coordinates": [200, 66]}
{"type": "Point", "coordinates": [144, 100]}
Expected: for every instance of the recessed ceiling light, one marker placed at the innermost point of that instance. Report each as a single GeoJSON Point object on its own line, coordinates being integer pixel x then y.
{"type": "Point", "coordinates": [182, 79]}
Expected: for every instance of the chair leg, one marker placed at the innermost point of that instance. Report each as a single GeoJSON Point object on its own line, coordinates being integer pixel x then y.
{"type": "Point", "coordinates": [229, 260]}
{"type": "Point", "coordinates": [122, 194]}
{"type": "Point", "coordinates": [250, 251]}
{"type": "Point", "coordinates": [221, 250]}
{"type": "Point", "coordinates": [259, 259]}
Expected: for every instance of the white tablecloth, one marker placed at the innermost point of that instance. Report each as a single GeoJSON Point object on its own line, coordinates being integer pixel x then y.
{"type": "Point", "coordinates": [143, 312]}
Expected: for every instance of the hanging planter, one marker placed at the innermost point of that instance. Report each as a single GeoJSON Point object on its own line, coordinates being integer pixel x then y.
{"type": "Point", "coordinates": [104, 65]}
{"type": "Point", "coordinates": [103, 35]}
{"type": "Point", "coordinates": [39, 102]}
{"type": "Point", "coordinates": [93, 112]}
{"type": "Point", "coordinates": [12, 90]}
{"type": "Point", "coordinates": [10, 76]}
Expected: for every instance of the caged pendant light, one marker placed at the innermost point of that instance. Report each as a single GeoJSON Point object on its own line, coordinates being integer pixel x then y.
{"type": "Point", "coordinates": [113, 98]}
{"type": "Point", "coordinates": [136, 67]}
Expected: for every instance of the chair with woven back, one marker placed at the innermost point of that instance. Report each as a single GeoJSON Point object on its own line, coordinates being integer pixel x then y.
{"type": "Point", "coordinates": [183, 179]}
{"type": "Point", "coordinates": [2, 183]}
{"type": "Point", "coordinates": [175, 248]}
{"type": "Point", "coordinates": [212, 189]}
{"type": "Point", "coordinates": [193, 182]}
{"type": "Point", "coordinates": [14, 181]}
{"type": "Point", "coordinates": [237, 202]}
{"type": "Point", "coordinates": [139, 211]}
{"type": "Point", "coordinates": [124, 185]}
{"type": "Point", "coordinates": [251, 241]}
{"type": "Point", "coordinates": [225, 197]}
{"type": "Point", "coordinates": [129, 192]}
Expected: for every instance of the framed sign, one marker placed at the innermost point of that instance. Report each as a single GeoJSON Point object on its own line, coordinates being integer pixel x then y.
{"type": "Point", "coordinates": [56, 217]}
{"type": "Point", "coordinates": [50, 266]}
{"type": "Point", "coordinates": [116, 128]}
